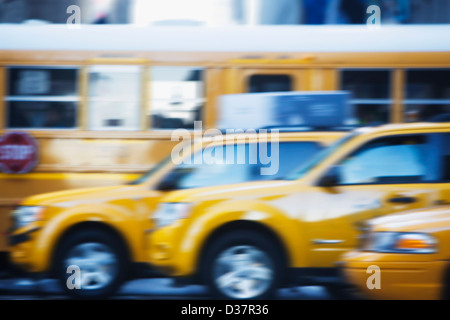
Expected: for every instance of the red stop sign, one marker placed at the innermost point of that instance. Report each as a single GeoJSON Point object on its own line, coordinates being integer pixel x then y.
{"type": "Point", "coordinates": [18, 152]}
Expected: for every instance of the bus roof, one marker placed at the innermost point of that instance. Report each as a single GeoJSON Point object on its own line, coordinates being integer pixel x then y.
{"type": "Point", "coordinates": [301, 38]}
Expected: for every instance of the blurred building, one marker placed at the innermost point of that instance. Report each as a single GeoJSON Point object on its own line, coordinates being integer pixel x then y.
{"type": "Point", "coordinates": [269, 12]}
{"type": "Point", "coordinates": [276, 12]}
{"type": "Point", "coordinates": [425, 11]}
{"type": "Point", "coordinates": [55, 11]}
{"type": "Point", "coordinates": [412, 11]}
{"type": "Point", "coordinates": [217, 12]}
{"type": "Point", "coordinates": [226, 12]}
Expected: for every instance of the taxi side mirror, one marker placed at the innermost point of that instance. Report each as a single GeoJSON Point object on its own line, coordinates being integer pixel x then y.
{"type": "Point", "coordinates": [331, 178]}
{"type": "Point", "coordinates": [166, 185]}
{"type": "Point", "coordinates": [169, 182]}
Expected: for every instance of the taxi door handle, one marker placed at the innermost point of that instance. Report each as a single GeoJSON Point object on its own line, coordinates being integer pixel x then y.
{"type": "Point", "coordinates": [402, 200]}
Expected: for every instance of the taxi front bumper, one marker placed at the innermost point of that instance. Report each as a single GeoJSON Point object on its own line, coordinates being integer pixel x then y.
{"type": "Point", "coordinates": [398, 279]}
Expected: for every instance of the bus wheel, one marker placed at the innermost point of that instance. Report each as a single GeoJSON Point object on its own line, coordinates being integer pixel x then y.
{"type": "Point", "coordinates": [242, 265]}
{"type": "Point", "coordinates": [91, 264]}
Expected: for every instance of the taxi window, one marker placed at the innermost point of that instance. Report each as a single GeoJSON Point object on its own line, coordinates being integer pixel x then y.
{"type": "Point", "coordinates": [444, 149]}
{"type": "Point", "coordinates": [386, 161]}
{"type": "Point", "coordinates": [240, 163]}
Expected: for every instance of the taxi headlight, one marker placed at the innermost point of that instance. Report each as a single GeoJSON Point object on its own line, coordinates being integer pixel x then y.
{"type": "Point", "coordinates": [169, 212]}
{"type": "Point", "coordinates": [26, 215]}
{"type": "Point", "coordinates": [401, 242]}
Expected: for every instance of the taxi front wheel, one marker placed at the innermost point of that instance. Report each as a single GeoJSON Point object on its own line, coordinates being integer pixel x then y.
{"type": "Point", "coordinates": [91, 264]}
{"type": "Point", "coordinates": [242, 265]}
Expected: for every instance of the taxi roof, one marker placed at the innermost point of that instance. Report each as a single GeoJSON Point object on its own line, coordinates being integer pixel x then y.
{"type": "Point", "coordinates": [324, 135]}
{"type": "Point", "coordinates": [402, 127]}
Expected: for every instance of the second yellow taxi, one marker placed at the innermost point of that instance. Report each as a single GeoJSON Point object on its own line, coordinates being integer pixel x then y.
{"type": "Point", "coordinates": [404, 256]}
{"type": "Point", "coordinates": [246, 240]}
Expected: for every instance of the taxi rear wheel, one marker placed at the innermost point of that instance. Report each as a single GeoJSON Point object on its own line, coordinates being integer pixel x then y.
{"type": "Point", "coordinates": [242, 265]}
{"type": "Point", "coordinates": [91, 264]}
{"type": "Point", "coordinates": [446, 285]}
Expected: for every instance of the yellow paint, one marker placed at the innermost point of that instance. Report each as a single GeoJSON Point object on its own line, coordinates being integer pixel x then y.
{"type": "Point", "coordinates": [299, 212]}
{"type": "Point", "coordinates": [70, 176]}
{"type": "Point", "coordinates": [73, 155]}
{"type": "Point", "coordinates": [125, 208]}
{"type": "Point", "coordinates": [306, 59]}
{"type": "Point", "coordinates": [406, 276]}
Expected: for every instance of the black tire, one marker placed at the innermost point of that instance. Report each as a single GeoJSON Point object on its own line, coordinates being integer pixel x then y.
{"type": "Point", "coordinates": [446, 285]}
{"type": "Point", "coordinates": [94, 239]}
{"type": "Point", "coordinates": [242, 240]}
{"type": "Point", "coordinates": [341, 292]}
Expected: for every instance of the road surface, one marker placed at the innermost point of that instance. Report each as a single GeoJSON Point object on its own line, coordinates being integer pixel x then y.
{"type": "Point", "coordinates": [150, 289]}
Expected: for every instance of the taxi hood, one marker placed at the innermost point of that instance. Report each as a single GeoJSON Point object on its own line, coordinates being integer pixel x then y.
{"type": "Point", "coordinates": [79, 196]}
{"type": "Point", "coordinates": [248, 189]}
{"type": "Point", "coordinates": [420, 220]}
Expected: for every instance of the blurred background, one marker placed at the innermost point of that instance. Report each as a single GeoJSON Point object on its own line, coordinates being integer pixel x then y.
{"type": "Point", "coordinates": [226, 12]}
{"type": "Point", "coordinates": [97, 106]}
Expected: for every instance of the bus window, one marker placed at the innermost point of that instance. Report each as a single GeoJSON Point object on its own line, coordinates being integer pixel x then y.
{"type": "Point", "coordinates": [177, 97]}
{"type": "Point", "coordinates": [427, 94]}
{"type": "Point", "coordinates": [42, 98]}
{"type": "Point", "coordinates": [371, 95]}
{"type": "Point", "coordinates": [114, 97]}
{"type": "Point", "coordinates": [269, 83]}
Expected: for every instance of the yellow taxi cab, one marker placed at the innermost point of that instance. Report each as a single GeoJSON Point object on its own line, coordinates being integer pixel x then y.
{"type": "Point", "coordinates": [404, 256]}
{"type": "Point", "coordinates": [244, 241]}
{"type": "Point", "coordinates": [92, 239]}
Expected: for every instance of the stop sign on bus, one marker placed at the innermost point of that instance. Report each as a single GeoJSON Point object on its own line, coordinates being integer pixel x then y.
{"type": "Point", "coordinates": [18, 152]}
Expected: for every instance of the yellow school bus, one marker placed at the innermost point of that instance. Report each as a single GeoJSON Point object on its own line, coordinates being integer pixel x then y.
{"type": "Point", "coordinates": [101, 102]}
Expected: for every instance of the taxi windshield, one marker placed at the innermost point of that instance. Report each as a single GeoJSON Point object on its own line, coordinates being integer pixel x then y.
{"type": "Point", "coordinates": [239, 163]}
{"type": "Point", "coordinates": [305, 167]}
{"type": "Point", "coordinates": [151, 172]}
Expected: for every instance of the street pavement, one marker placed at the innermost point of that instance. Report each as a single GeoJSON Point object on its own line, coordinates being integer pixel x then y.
{"type": "Point", "coordinates": [152, 289]}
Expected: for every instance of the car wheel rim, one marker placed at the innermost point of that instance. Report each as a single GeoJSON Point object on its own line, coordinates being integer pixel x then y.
{"type": "Point", "coordinates": [97, 264]}
{"type": "Point", "coordinates": [243, 272]}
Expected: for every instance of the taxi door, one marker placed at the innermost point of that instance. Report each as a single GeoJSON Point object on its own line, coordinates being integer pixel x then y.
{"type": "Point", "coordinates": [385, 175]}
